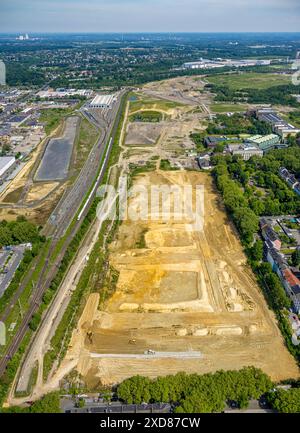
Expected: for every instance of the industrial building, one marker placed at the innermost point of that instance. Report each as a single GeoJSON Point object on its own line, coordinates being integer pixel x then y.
{"type": "Point", "coordinates": [63, 93]}
{"type": "Point", "coordinates": [103, 101]}
{"type": "Point", "coordinates": [279, 125]}
{"type": "Point", "coordinates": [222, 63]}
{"type": "Point", "coordinates": [7, 164]}
{"type": "Point", "coordinates": [212, 141]}
{"type": "Point", "coordinates": [2, 73]}
{"type": "Point", "coordinates": [266, 142]}
{"type": "Point", "coordinates": [246, 151]}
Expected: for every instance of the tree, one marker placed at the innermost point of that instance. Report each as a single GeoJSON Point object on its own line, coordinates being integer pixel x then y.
{"type": "Point", "coordinates": [247, 223]}
{"type": "Point", "coordinates": [35, 321]}
{"type": "Point", "coordinates": [292, 141]}
{"type": "Point", "coordinates": [296, 257]}
{"type": "Point", "coordinates": [48, 404]}
{"type": "Point", "coordinates": [256, 251]}
{"type": "Point", "coordinates": [285, 401]}
{"type": "Point", "coordinates": [80, 402]}
{"type": "Point", "coordinates": [198, 393]}
{"type": "Point", "coordinates": [257, 206]}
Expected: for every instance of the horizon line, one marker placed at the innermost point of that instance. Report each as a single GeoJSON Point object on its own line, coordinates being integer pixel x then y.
{"type": "Point", "coordinates": [146, 32]}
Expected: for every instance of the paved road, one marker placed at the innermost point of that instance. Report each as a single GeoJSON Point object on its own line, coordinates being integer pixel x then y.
{"type": "Point", "coordinates": [118, 408]}
{"type": "Point", "coordinates": [156, 355]}
{"type": "Point", "coordinates": [11, 265]}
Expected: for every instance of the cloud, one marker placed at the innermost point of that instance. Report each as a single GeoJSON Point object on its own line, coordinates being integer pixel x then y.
{"type": "Point", "coordinates": [149, 15]}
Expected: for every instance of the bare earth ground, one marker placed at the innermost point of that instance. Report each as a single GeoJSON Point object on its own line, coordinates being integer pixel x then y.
{"type": "Point", "coordinates": [186, 295]}
{"type": "Point", "coordinates": [185, 291]}
{"type": "Point", "coordinates": [142, 134]}
{"type": "Point", "coordinates": [25, 197]}
{"type": "Point", "coordinates": [186, 90]}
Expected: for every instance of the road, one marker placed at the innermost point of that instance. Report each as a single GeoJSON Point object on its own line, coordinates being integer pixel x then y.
{"type": "Point", "coordinates": [60, 220]}
{"type": "Point", "coordinates": [156, 355]}
{"type": "Point", "coordinates": [118, 408]}
{"type": "Point", "coordinates": [11, 265]}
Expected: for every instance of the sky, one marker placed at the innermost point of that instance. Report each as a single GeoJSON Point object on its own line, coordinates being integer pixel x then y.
{"type": "Point", "coordinates": [80, 16]}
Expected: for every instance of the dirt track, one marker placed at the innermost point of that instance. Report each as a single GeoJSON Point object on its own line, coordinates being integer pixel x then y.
{"type": "Point", "coordinates": [182, 291]}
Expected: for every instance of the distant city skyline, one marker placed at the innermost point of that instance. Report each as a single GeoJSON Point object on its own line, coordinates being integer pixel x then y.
{"type": "Point", "coordinates": [25, 16]}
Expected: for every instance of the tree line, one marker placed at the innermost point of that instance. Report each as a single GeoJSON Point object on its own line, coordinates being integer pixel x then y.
{"type": "Point", "coordinates": [195, 393]}
{"type": "Point", "coordinates": [282, 94]}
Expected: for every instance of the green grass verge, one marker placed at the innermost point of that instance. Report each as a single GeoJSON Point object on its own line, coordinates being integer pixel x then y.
{"type": "Point", "coordinates": [146, 116]}
{"type": "Point", "coordinates": [249, 80]}
{"type": "Point", "coordinates": [228, 108]}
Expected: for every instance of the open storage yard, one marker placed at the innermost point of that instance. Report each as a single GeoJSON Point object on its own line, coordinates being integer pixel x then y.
{"type": "Point", "coordinates": [188, 294]}
{"type": "Point", "coordinates": [145, 134]}
{"type": "Point", "coordinates": [57, 156]}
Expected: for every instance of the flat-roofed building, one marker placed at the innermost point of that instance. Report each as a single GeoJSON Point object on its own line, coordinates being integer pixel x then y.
{"type": "Point", "coordinates": [279, 125]}
{"type": "Point", "coordinates": [286, 130]}
{"type": "Point", "coordinates": [246, 151]}
{"type": "Point", "coordinates": [7, 164]}
{"type": "Point", "coordinates": [103, 101]}
{"type": "Point", "coordinates": [266, 142]}
{"type": "Point", "coordinates": [212, 141]}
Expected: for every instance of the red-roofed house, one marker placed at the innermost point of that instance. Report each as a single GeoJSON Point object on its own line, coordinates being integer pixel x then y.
{"type": "Point", "coordinates": [290, 281]}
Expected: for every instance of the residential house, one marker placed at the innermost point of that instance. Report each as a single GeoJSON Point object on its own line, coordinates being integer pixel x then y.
{"type": "Point", "coordinates": [270, 235]}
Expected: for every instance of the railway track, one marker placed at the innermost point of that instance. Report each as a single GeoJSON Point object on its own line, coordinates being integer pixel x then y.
{"type": "Point", "coordinates": [47, 274]}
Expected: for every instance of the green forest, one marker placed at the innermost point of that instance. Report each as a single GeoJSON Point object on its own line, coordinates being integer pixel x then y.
{"type": "Point", "coordinates": [198, 393]}
{"type": "Point", "coordinates": [18, 232]}
{"type": "Point", "coordinates": [282, 94]}
{"type": "Point", "coordinates": [252, 189]}
{"type": "Point", "coordinates": [238, 124]}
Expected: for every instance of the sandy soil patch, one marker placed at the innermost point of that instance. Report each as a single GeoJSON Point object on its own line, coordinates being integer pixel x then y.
{"type": "Point", "coordinates": [40, 191]}
{"type": "Point", "coordinates": [142, 134]}
{"type": "Point", "coordinates": [182, 291]}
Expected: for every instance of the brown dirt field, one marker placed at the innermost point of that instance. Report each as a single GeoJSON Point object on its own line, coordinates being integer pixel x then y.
{"type": "Point", "coordinates": [38, 214]}
{"type": "Point", "coordinates": [142, 134]}
{"type": "Point", "coordinates": [185, 90]}
{"type": "Point", "coordinates": [40, 191]}
{"type": "Point", "coordinates": [184, 291]}
{"type": "Point", "coordinates": [22, 192]}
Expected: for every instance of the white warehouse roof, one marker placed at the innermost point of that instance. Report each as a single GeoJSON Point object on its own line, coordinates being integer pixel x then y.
{"type": "Point", "coordinates": [5, 163]}
{"type": "Point", "coordinates": [103, 100]}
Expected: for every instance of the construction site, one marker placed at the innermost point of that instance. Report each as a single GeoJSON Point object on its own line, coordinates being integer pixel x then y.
{"type": "Point", "coordinates": [184, 299]}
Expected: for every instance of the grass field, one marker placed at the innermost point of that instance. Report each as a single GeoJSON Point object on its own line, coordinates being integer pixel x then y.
{"type": "Point", "coordinates": [225, 108]}
{"type": "Point", "coordinates": [146, 116]}
{"type": "Point", "coordinates": [86, 139]}
{"type": "Point", "coordinates": [152, 104]}
{"type": "Point", "coordinates": [249, 80]}
{"type": "Point", "coordinates": [52, 117]}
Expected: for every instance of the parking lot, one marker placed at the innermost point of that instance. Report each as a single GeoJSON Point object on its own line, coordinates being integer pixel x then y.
{"type": "Point", "coordinates": [10, 260]}
{"type": "Point", "coordinates": [57, 156]}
